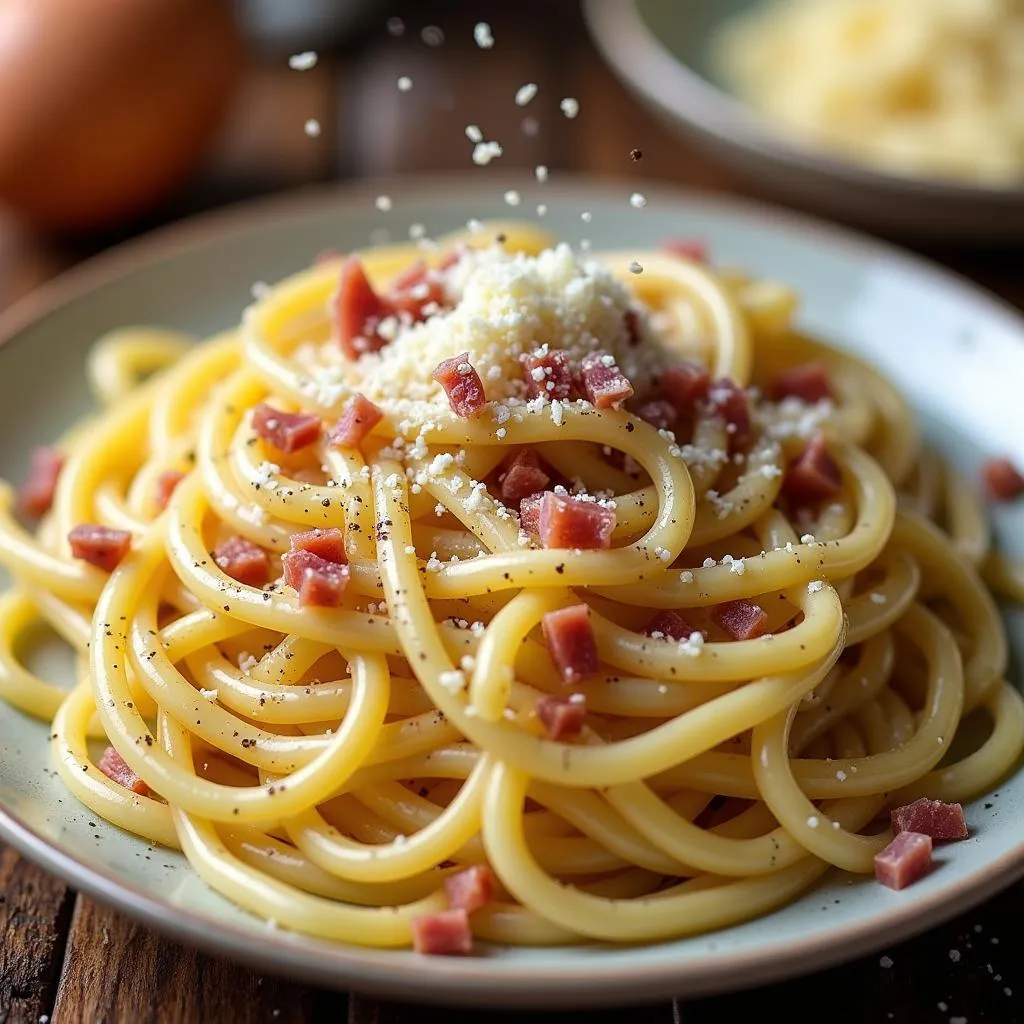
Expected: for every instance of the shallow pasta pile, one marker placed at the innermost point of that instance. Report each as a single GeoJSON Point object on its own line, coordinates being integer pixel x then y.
{"type": "Point", "coordinates": [484, 587]}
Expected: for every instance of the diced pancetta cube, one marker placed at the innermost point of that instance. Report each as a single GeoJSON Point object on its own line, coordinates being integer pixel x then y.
{"type": "Point", "coordinates": [416, 288]}
{"type": "Point", "coordinates": [604, 384]}
{"type": "Point", "coordinates": [550, 373]}
{"type": "Point", "coordinates": [358, 311]}
{"type": "Point", "coordinates": [318, 582]}
{"type": "Point", "coordinates": [671, 625]}
{"type": "Point", "coordinates": [809, 382]}
{"type": "Point", "coordinates": [243, 561]}
{"type": "Point", "coordinates": [660, 413]}
{"type": "Point", "coordinates": [906, 859]}
{"type": "Point", "coordinates": [1003, 481]}
{"type": "Point", "coordinates": [742, 620]}
{"type": "Point", "coordinates": [165, 484]}
{"type": "Point", "coordinates": [114, 766]}
{"type": "Point", "coordinates": [462, 384]}
{"type": "Point", "coordinates": [729, 401]}
{"type": "Point", "coordinates": [529, 512]}
{"type": "Point", "coordinates": [684, 384]}
{"type": "Point", "coordinates": [931, 818]}
{"type": "Point", "coordinates": [358, 418]}
{"type": "Point", "coordinates": [444, 933]}
{"type": "Point", "coordinates": [561, 717]}
{"type": "Point", "coordinates": [814, 476]}
{"type": "Point", "coordinates": [471, 889]}
{"type": "Point", "coordinates": [687, 249]}
{"type": "Point", "coordinates": [35, 496]}
{"type": "Point", "coordinates": [571, 642]}
{"type": "Point", "coordinates": [328, 544]}
{"type": "Point", "coordinates": [573, 523]}
{"type": "Point", "coordinates": [98, 545]}
{"type": "Point", "coordinates": [286, 431]}
{"type": "Point", "coordinates": [523, 477]}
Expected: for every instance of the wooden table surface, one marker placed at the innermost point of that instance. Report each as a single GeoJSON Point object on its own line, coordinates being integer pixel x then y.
{"type": "Point", "coordinates": [66, 958]}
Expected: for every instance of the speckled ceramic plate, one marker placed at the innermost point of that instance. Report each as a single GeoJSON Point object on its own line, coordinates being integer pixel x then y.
{"type": "Point", "coordinates": [956, 352]}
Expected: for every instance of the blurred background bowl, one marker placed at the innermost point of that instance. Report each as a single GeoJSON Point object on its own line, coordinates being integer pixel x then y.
{"type": "Point", "coordinates": [661, 49]}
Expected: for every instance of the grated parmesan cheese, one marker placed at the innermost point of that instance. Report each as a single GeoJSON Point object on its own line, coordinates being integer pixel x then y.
{"type": "Point", "coordinates": [503, 303]}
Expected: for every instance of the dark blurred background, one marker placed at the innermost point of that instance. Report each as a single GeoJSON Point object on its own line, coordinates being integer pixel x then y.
{"type": "Point", "coordinates": [121, 117]}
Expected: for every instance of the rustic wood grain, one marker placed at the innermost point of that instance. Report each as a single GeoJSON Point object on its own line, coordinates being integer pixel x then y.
{"type": "Point", "coordinates": [363, 1010]}
{"type": "Point", "coordinates": [967, 968]}
{"type": "Point", "coordinates": [118, 971]}
{"type": "Point", "coordinates": [34, 914]}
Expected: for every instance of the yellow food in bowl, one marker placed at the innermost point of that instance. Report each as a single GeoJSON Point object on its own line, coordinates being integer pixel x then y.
{"type": "Point", "coordinates": [933, 88]}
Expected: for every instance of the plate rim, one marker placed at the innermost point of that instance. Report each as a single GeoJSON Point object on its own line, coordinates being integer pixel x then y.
{"type": "Point", "coordinates": [621, 34]}
{"type": "Point", "coordinates": [484, 981]}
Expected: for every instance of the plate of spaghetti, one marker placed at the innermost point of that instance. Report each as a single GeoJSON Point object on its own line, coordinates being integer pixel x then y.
{"type": "Point", "coordinates": [511, 616]}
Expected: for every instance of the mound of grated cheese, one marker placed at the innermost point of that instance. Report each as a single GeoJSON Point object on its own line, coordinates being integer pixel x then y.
{"type": "Point", "coordinates": [505, 305]}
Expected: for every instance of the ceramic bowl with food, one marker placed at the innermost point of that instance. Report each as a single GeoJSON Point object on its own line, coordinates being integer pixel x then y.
{"type": "Point", "coordinates": [671, 56]}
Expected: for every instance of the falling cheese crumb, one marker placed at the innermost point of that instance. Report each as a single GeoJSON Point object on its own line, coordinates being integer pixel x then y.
{"type": "Point", "coordinates": [525, 93]}
{"type": "Point", "coordinates": [482, 35]}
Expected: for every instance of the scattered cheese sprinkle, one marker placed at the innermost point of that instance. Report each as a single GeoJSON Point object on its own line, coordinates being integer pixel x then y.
{"type": "Point", "coordinates": [638, 201]}
{"type": "Point", "coordinates": [303, 61]}
{"type": "Point", "coordinates": [473, 133]}
{"type": "Point", "coordinates": [542, 209]}
{"type": "Point", "coordinates": [208, 694]}
{"type": "Point", "coordinates": [432, 35]}
{"type": "Point", "coordinates": [312, 128]}
{"type": "Point", "coordinates": [404, 83]}
{"type": "Point", "coordinates": [814, 586]}
{"type": "Point", "coordinates": [485, 152]}
{"type": "Point", "coordinates": [570, 107]}
{"type": "Point", "coordinates": [692, 646]}
{"type": "Point", "coordinates": [383, 203]}
{"type": "Point", "coordinates": [512, 197]}
{"type": "Point", "coordinates": [453, 681]}
{"type": "Point", "coordinates": [812, 821]}
{"type": "Point", "coordinates": [525, 93]}
{"type": "Point", "coordinates": [482, 35]}
{"type": "Point", "coordinates": [878, 598]}
{"type": "Point", "coordinates": [396, 26]}
{"type": "Point", "coordinates": [635, 267]}
{"type": "Point", "coordinates": [686, 576]}
{"type": "Point", "coordinates": [540, 172]}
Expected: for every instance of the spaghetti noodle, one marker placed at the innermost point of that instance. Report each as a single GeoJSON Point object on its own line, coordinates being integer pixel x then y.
{"type": "Point", "coordinates": [783, 642]}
